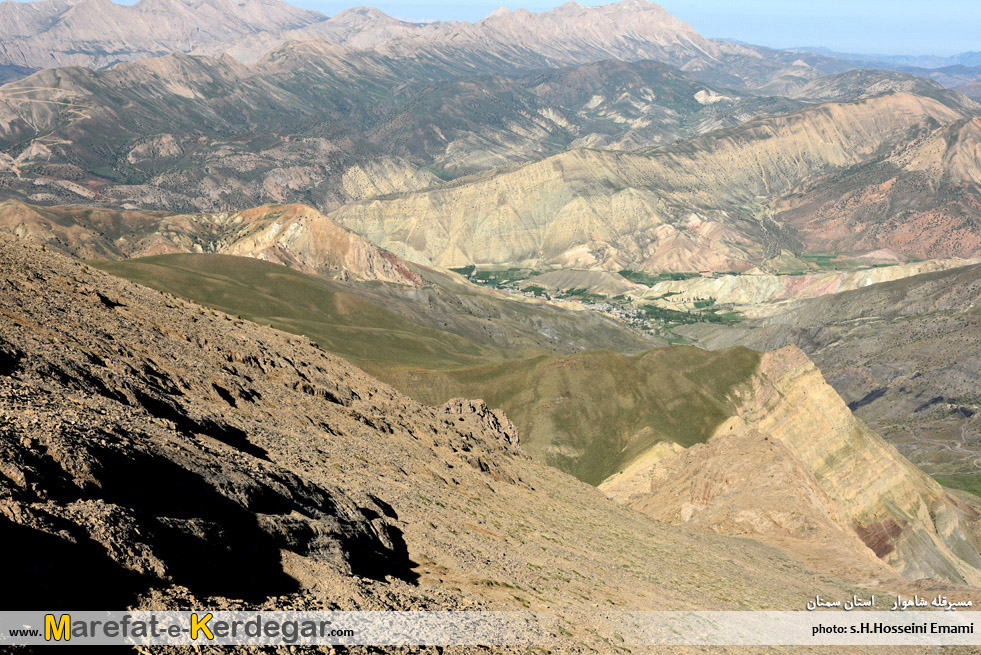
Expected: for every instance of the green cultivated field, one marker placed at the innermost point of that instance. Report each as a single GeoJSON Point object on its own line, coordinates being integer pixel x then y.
{"type": "Point", "coordinates": [968, 482]}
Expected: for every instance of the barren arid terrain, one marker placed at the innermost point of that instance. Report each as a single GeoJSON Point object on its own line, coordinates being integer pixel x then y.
{"type": "Point", "coordinates": [144, 435]}
{"type": "Point", "coordinates": [572, 312]}
{"type": "Point", "coordinates": [142, 432]}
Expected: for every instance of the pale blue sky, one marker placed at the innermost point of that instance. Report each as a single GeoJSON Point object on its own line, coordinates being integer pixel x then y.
{"type": "Point", "coordinates": [915, 27]}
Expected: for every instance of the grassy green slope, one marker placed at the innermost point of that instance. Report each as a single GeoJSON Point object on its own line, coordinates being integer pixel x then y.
{"type": "Point", "coordinates": [592, 413]}
{"type": "Point", "coordinates": [589, 414]}
{"type": "Point", "coordinates": [337, 320]}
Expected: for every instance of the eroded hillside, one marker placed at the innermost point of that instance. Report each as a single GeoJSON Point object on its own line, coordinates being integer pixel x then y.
{"type": "Point", "coordinates": [319, 477]}
{"type": "Point", "coordinates": [922, 201]}
{"type": "Point", "coordinates": [905, 355]}
{"type": "Point", "coordinates": [321, 124]}
{"type": "Point", "coordinates": [794, 468]}
{"type": "Point", "coordinates": [698, 204]}
{"type": "Point", "coordinates": [297, 236]}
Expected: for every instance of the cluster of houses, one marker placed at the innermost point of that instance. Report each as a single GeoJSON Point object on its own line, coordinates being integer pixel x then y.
{"type": "Point", "coordinates": [624, 314]}
{"type": "Point", "coordinates": [620, 312]}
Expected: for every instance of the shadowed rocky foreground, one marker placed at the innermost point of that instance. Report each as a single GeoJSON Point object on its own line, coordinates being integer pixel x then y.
{"type": "Point", "coordinates": [160, 454]}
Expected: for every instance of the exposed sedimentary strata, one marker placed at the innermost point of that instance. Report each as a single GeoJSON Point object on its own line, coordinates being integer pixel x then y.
{"type": "Point", "coordinates": [796, 469]}
{"type": "Point", "coordinates": [157, 454]}
{"type": "Point", "coordinates": [694, 205]}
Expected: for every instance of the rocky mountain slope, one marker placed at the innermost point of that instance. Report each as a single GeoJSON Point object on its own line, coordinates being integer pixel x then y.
{"type": "Point", "coordinates": [835, 491]}
{"type": "Point", "coordinates": [141, 432]}
{"type": "Point", "coordinates": [637, 426]}
{"type": "Point", "coordinates": [679, 396]}
{"type": "Point", "coordinates": [573, 34]}
{"type": "Point", "coordinates": [570, 34]}
{"type": "Point", "coordinates": [923, 200]}
{"type": "Point", "coordinates": [297, 236]}
{"type": "Point", "coordinates": [470, 124]}
{"type": "Point", "coordinates": [697, 204]}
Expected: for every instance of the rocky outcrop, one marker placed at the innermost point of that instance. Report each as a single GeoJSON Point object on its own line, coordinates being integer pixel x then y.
{"type": "Point", "coordinates": [301, 237]}
{"type": "Point", "coordinates": [813, 479]}
{"type": "Point", "coordinates": [495, 421]}
{"type": "Point", "coordinates": [127, 497]}
{"type": "Point", "coordinates": [905, 517]}
{"type": "Point", "coordinates": [144, 464]}
{"type": "Point", "coordinates": [745, 483]}
{"type": "Point", "coordinates": [952, 154]}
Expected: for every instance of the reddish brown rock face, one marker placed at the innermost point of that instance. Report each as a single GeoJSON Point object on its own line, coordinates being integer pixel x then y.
{"type": "Point", "coordinates": [879, 536]}
{"type": "Point", "coordinates": [922, 201]}
{"type": "Point", "coordinates": [297, 236]}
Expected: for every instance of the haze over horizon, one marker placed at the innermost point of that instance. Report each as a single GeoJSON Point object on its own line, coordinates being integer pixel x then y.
{"type": "Point", "coordinates": [906, 27]}
{"type": "Point", "coordinates": [945, 28]}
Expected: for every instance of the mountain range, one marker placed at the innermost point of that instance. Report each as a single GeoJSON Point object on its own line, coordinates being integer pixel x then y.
{"type": "Point", "coordinates": [702, 184]}
{"type": "Point", "coordinates": [725, 200]}
{"type": "Point", "coordinates": [57, 33]}
{"type": "Point", "coordinates": [303, 125]}
{"type": "Point", "coordinates": [920, 61]}
{"type": "Point", "coordinates": [564, 311]}
{"type": "Point", "coordinates": [371, 107]}
{"type": "Point", "coordinates": [99, 33]}
{"type": "Point", "coordinates": [141, 387]}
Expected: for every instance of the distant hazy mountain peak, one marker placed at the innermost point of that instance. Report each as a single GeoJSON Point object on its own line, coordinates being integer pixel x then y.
{"type": "Point", "coordinates": [99, 33]}
{"type": "Point", "coordinates": [634, 4]}
{"type": "Point", "coordinates": [364, 12]}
